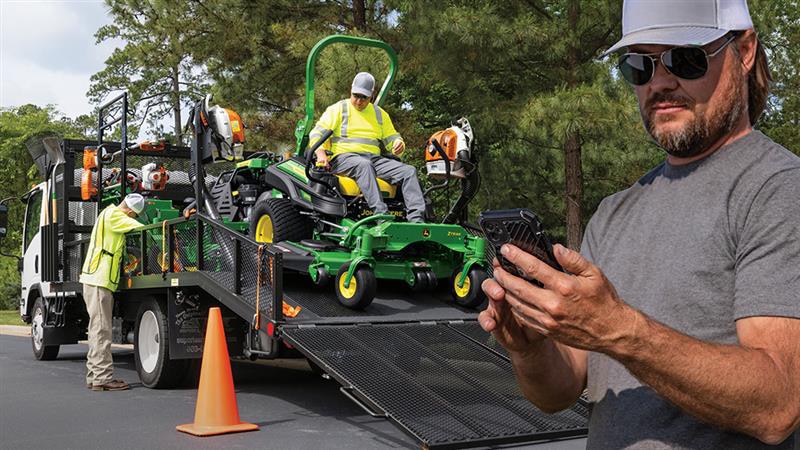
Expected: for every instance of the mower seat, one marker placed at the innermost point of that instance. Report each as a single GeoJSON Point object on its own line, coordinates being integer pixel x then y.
{"type": "Point", "coordinates": [349, 188]}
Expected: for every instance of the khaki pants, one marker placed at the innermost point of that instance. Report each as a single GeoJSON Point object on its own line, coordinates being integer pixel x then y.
{"type": "Point", "coordinates": [99, 305]}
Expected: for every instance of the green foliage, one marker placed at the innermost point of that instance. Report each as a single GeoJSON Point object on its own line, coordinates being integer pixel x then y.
{"type": "Point", "coordinates": [19, 173]}
{"type": "Point", "coordinates": [154, 66]}
{"type": "Point", "coordinates": [778, 23]}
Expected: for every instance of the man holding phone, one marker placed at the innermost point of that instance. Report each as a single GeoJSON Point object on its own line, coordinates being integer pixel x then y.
{"type": "Point", "coordinates": [681, 314]}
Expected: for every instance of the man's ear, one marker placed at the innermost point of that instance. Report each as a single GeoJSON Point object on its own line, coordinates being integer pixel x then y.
{"type": "Point", "coordinates": [747, 45]}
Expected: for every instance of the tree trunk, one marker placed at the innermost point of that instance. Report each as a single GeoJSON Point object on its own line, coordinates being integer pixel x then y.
{"type": "Point", "coordinates": [573, 172]}
{"type": "Point", "coordinates": [573, 178]}
{"type": "Point", "coordinates": [359, 15]}
{"type": "Point", "coordinates": [176, 104]}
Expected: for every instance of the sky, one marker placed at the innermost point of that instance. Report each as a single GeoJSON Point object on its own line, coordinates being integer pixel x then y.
{"type": "Point", "coordinates": [48, 52]}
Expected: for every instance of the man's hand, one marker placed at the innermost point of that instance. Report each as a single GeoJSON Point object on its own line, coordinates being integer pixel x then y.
{"type": "Point", "coordinates": [322, 158]}
{"type": "Point", "coordinates": [398, 147]}
{"type": "Point", "coordinates": [550, 374]}
{"type": "Point", "coordinates": [510, 330]}
{"type": "Point", "coordinates": [580, 308]}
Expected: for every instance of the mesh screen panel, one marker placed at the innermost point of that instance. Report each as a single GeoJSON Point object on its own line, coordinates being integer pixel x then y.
{"type": "Point", "coordinates": [441, 387]}
{"type": "Point", "coordinates": [75, 255]}
{"type": "Point", "coordinates": [218, 261]}
{"type": "Point", "coordinates": [255, 281]}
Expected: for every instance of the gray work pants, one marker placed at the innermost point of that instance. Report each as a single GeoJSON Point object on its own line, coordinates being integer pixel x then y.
{"type": "Point", "coordinates": [99, 304]}
{"type": "Point", "coordinates": [365, 168]}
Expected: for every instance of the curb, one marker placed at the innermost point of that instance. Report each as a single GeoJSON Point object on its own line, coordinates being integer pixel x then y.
{"type": "Point", "coordinates": [25, 331]}
{"type": "Point", "coordinates": [15, 330]}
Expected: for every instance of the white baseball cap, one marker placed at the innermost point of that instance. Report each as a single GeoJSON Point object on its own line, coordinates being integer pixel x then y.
{"type": "Point", "coordinates": [135, 202]}
{"type": "Point", "coordinates": [680, 22]}
{"type": "Point", "coordinates": [363, 83]}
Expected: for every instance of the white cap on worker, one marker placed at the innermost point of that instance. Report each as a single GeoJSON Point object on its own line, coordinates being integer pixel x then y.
{"type": "Point", "coordinates": [135, 202]}
{"type": "Point", "coordinates": [363, 83]}
{"type": "Point", "coordinates": [680, 22]}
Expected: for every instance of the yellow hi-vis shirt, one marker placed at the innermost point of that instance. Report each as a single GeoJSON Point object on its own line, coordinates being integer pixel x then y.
{"type": "Point", "coordinates": [355, 131]}
{"type": "Point", "coordinates": [101, 266]}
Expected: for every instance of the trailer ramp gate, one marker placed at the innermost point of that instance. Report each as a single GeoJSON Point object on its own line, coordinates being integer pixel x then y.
{"type": "Point", "coordinates": [439, 382]}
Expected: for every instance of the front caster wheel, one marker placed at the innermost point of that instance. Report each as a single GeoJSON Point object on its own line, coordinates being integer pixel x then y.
{"type": "Point", "coordinates": [361, 290]}
{"type": "Point", "coordinates": [469, 294]}
{"type": "Point", "coordinates": [323, 278]}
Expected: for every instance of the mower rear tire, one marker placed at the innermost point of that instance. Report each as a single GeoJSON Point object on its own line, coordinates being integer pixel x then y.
{"type": "Point", "coordinates": [276, 220]}
{"type": "Point", "coordinates": [361, 290]}
{"type": "Point", "coordinates": [470, 294]}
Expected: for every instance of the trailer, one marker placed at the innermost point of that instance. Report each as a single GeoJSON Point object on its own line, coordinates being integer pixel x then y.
{"type": "Point", "coordinates": [418, 360]}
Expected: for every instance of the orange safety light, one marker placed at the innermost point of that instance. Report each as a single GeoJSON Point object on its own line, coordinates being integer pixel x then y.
{"type": "Point", "coordinates": [88, 189]}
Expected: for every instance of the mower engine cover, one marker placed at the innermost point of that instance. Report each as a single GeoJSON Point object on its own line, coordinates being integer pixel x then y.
{"type": "Point", "coordinates": [229, 130]}
{"type": "Point", "coordinates": [456, 142]}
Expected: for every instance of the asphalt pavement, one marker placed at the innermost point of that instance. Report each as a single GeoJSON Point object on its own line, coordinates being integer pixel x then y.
{"type": "Point", "coordinates": [45, 404]}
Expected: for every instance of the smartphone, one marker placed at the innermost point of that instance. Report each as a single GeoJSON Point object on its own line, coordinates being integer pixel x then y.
{"type": "Point", "coordinates": [519, 227]}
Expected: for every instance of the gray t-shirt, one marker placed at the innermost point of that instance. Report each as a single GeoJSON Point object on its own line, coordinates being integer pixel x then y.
{"type": "Point", "coordinates": [695, 247]}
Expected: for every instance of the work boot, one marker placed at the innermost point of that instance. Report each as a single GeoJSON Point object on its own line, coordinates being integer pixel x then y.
{"type": "Point", "coordinates": [113, 385]}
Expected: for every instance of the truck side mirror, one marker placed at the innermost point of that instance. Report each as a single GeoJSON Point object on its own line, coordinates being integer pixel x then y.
{"type": "Point", "coordinates": [3, 220]}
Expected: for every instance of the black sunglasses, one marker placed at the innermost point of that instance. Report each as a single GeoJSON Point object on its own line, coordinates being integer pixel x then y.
{"type": "Point", "coordinates": [360, 97]}
{"type": "Point", "coordinates": [689, 63]}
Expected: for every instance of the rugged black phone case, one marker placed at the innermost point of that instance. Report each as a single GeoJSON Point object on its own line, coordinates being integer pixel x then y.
{"type": "Point", "coordinates": [519, 227]}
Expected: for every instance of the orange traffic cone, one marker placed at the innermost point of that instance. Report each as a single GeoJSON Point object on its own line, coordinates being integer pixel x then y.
{"type": "Point", "coordinates": [216, 411]}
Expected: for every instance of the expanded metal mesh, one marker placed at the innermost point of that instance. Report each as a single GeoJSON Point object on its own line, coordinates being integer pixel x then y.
{"type": "Point", "coordinates": [237, 265]}
{"type": "Point", "coordinates": [257, 260]}
{"type": "Point", "coordinates": [440, 386]}
{"type": "Point", "coordinates": [218, 259]}
{"type": "Point", "coordinates": [75, 255]}
{"type": "Point", "coordinates": [321, 300]}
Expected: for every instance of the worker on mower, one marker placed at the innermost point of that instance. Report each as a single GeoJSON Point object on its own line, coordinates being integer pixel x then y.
{"type": "Point", "coordinates": [100, 276]}
{"type": "Point", "coordinates": [361, 130]}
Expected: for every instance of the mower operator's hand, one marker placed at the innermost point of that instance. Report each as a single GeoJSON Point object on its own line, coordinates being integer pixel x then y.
{"type": "Point", "coordinates": [322, 159]}
{"type": "Point", "coordinates": [398, 147]}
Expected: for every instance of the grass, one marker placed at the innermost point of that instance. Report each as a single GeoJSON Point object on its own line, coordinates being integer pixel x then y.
{"type": "Point", "coordinates": [11, 318]}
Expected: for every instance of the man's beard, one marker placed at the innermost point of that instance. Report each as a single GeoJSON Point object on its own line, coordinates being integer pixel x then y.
{"type": "Point", "coordinates": [702, 130]}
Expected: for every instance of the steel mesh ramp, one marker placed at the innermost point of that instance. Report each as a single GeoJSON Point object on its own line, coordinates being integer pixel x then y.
{"type": "Point", "coordinates": [436, 383]}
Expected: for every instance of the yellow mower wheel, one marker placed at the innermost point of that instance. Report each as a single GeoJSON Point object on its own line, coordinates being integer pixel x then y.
{"type": "Point", "coordinates": [361, 290]}
{"type": "Point", "coordinates": [264, 229]}
{"type": "Point", "coordinates": [470, 294]}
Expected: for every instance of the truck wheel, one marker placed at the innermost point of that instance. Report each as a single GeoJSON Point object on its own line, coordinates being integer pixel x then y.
{"type": "Point", "coordinates": [151, 348]}
{"type": "Point", "coordinates": [470, 294]}
{"type": "Point", "coordinates": [41, 351]}
{"type": "Point", "coordinates": [360, 292]}
{"type": "Point", "coordinates": [276, 219]}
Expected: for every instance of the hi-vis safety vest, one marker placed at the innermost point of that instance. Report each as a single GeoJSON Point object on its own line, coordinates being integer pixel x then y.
{"type": "Point", "coordinates": [101, 266]}
{"type": "Point", "coordinates": [364, 131]}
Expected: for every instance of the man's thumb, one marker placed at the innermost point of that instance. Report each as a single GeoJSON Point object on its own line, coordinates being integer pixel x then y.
{"type": "Point", "coordinates": [572, 261]}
